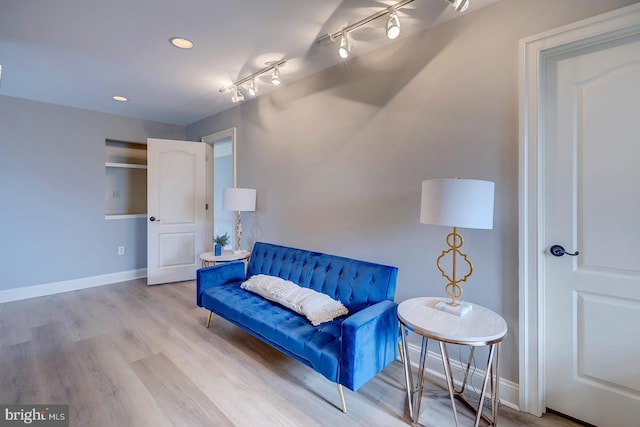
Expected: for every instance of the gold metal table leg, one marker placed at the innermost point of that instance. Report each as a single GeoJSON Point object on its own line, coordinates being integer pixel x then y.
{"type": "Point", "coordinates": [422, 367]}
{"type": "Point", "coordinates": [414, 394]}
{"type": "Point", "coordinates": [449, 376]}
{"type": "Point", "coordinates": [491, 377]}
{"type": "Point", "coordinates": [407, 369]}
{"type": "Point", "coordinates": [494, 390]}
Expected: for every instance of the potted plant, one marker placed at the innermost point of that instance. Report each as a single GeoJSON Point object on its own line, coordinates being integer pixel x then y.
{"type": "Point", "coordinates": [221, 241]}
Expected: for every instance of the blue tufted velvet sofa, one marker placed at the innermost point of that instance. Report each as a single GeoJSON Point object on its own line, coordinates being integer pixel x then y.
{"type": "Point", "coordinates": [349, 350]}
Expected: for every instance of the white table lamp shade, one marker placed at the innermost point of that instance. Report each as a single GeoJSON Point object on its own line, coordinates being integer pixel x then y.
{"type": "Point", "coordinates": [466, 203]}
{"type": "Point", "coordinates": [239, 199]}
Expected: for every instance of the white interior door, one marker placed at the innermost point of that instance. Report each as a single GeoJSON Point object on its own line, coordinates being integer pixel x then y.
{"type": "Point", "coordinates": [592, 204]}
{"type": "Point", "coordinates": [176, 199]}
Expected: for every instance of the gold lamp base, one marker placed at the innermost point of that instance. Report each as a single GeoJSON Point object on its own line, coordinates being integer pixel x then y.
{"type": "Point", "coordinates": [454, 289]}
{"type": "Point", "coordinates": [238, 234]}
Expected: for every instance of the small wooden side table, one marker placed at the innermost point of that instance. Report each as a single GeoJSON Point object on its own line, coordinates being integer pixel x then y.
{"type": "Point", "coordinates": [208, 258]}
{"type": "Point", "coordinates": [480, 327]}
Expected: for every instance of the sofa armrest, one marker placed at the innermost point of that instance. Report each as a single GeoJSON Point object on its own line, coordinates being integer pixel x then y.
{"type": "Point", "coordinates": [369, 343]}
{"type": "Point", "coordinates": [217, 275]}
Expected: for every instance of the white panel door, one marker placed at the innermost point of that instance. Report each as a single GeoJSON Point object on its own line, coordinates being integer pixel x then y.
{"type": "Point", "coordinates": [176, 181]}
{"type": "Point", "coordinates": [592, 204]}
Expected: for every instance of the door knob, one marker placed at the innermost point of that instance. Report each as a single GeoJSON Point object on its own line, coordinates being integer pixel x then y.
{"type": "Point", "coordinates": [153, 218]}
{"type": "Point", "coordinates": [558, 250]}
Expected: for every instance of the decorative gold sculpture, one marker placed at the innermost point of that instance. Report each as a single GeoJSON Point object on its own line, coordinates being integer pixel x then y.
{"type": "Point", "coordinates": [453, 288]}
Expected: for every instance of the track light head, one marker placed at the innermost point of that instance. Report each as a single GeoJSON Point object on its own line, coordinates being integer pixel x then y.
{"type": "Point", "coordinates": [253, 90]}
{"type": "Point", "coordinates": [345, 46]}
{"type": "Point", "coordinates": [275, 76]}
{"type": "Point", "coordinates": [237, 95]}
{"type": "Point", "coordinates": [393, 24]}
{"type": "Point", "coordinates": [459, 5]}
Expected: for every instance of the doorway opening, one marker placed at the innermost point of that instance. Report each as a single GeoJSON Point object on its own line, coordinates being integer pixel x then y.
{"type": "Point", "coordinates": [221, 173]}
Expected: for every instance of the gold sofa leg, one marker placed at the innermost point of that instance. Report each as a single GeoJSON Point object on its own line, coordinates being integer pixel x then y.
{"type": "Point", "coordinates": [344, 404]}
{"type": "Point", "coordinates": [209, 319]}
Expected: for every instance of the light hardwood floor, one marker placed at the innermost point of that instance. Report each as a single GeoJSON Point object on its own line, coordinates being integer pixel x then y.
{"type": "Point", "coordinates": [132, 355]}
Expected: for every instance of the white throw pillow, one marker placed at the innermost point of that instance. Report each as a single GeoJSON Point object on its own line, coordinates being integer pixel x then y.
{"type": "Point", "coordinates": [315, 306]}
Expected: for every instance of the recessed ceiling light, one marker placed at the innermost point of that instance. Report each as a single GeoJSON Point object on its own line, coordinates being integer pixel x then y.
{"type": "Point", "coordinates": [120, 98]}
{"type": "Point", "coordinates": [181, 42]}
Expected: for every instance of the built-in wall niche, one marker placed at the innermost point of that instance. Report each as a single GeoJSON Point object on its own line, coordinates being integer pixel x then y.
{"type": "Point", "coordinates": [125, 179]}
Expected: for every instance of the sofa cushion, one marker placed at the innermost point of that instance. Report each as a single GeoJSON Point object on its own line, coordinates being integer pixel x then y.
{"type": "Point", "coordinates": [357, 284]}
{"type": "Point", "coordinates": [315, 346]}
{"type": "Point", "coordinates": [315, 306]}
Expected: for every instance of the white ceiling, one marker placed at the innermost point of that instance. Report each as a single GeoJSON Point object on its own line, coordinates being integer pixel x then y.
{"type": "Point", "coordinates": [82, 52]}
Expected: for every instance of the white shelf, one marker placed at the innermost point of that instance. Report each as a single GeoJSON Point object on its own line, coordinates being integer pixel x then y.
{"type": "Point", "coordinates": [125, 180]}
{"type": "Point", "coordinates": [125, 165]}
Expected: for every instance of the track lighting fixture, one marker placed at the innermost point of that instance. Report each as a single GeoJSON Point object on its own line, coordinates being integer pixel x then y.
{"type": "Point", "coordinates": [393, 25]}
{"type": "Point", "coordinates": [459, 5]}
{"type": "Point", "coordinates": [234, 88]}
{"type": "Point", "coordinates": [345, 46]}
{"type": "Point", "coordinates": [275, 76]}
{"type": "Point", "coordinates": [341, 37]}
{"type": "Point", "coordinates": [392, 28]}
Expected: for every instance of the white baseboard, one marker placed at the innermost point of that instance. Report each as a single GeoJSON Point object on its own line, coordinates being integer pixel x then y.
{"type": "Point", "coordinates": [26, 292]}
{"type": "Point", "coordinates": [508, 390]}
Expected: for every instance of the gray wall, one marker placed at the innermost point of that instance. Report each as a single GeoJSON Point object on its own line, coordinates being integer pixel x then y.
{"type": "Point", "coordinates": [338, 158]}
{"type": "Point", "coordinates": [52, 188]}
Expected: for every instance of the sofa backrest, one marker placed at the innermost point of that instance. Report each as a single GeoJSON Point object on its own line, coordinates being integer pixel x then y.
{"type": "Point", "coordinates": [357, 284]}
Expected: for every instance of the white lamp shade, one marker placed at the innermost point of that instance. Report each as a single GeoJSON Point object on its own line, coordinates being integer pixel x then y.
{"type": "Point", "coordinates": [466, 203]}
{"type": "Point", "coordinates": [239, 199]}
